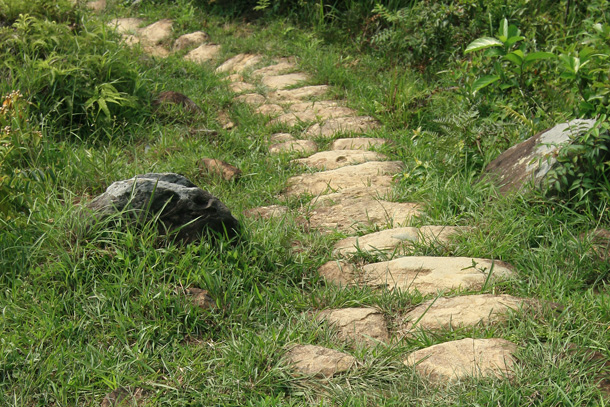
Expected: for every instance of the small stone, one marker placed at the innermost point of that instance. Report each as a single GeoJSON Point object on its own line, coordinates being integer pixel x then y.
{"type": "Point", "coordinates": [299, 93]}
{"type": "Point", "coordinates": [126, 25]}
{"type": "Point", "coordinates": [267, 212]}
{"type": "Point", "coordinates": [357, 143]}
{"type": "Point", "coordinates": [297, 146]}
{"type": "Point", "coordinates": [376, 176]}
{"type": "Point", "coordinates": [156, 32]}
{"type": "Point", "coordinates": [239, 63]}
{"type": "Point", "coordinates": [328, 129]}
{"type": "Point", "coordinates": [458, 312]}
{"type": "Point", "coordinates": [362, 325]}
{"type": "Point", "coordinates": [201, 298]}
{"type": "Point", "coordinates": [284, 81]}
{"type": "Point", "coordinates": [455, 360]}
{"type": "Point", "coordinates": [203, 53]}
{"type": "Point", "coordinates": [239, 87]}
{"type": "Point", "coordinates": [276, 69]}
{"type": "Point", "coordinates": [253, 99]}
{"type": "Point", "coordinates": [190, 40]}
{"type": "Point", "coordinates": [269, 110]}
{"type": "Point", "coordinates": [220, 168]}
{"type": "Point", "coordinates": [281, 137]}
{"type": "Point", "coordinates": [314, 360]}
{"type": "Point", "coordinates": [431, 275]}
{"type": "Point", "coordinates": [225, 120]}
{"type": "Point", "coordinates": [330, 160]}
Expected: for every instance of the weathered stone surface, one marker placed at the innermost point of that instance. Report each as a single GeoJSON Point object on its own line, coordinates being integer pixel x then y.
{"type": "Point", "coordinates": [253, 99]}
{"type": "Point", "coordinates": [312, 114]}
{"type": "Point", "coordinates": [156, 32]}
{"type": "Point", "coordinates": [235, 77]}
{"type": "Point", "coordinates": [331, 127]}
{"type": "Point", "coordinates": [600, 240]}
{"type": "Point", "coordinates": [193, 39]}
{"type": "Point", "coordinates": [374, 175]}
{"type": "Point", "coordinates": [532, 159]}
{"type": "Point", "coordinates": [357, 143]}
{"type": "Point", "coordinates": [339, 272]}
{"type": "Point", "coordinates": [350, 213]}
{"type": "Point", "coordinates": [225, 120]}
{"type": "Point", "coordinates": [269, 110]}
{"type": "Point", "coordinates": [430, 275]}
{"type": "Point", "coordinates": [314, 360]}
{"type": "Point", "coordinates": [179, 203]}
{"type": "Point", "coordinates": [281, 137]}
{"type": "Point", "coordinates": [156, 51]}
{"type": "Point", "coordinates": [239, 87]}
{"type": "Point", "coordinates": [126, 25]}
{"type": "Point", "coordinates": [284, 81]}
{"type": "Point", "coordinates": [203, 53]}
{"type": "Point", "coordinates": [175, 98]}
{"type": "Point", "coordinates": [362, 325]}
{"type": "Point", "coordinates": [201, 298]}
{"type": "Point", "coordinates": [300, 146]}
{"type": "Point", "coordinates": [276, 69]}
{"type": "Point", "coordinates": [97, 6]}
{"type": "Point", "coordinates": [467, 357]}
{"type": "Point", "coordinates": [267, 212]}
{"type": "Point", "coordinates": [298, 94]}
{"type": "Point", "coordinates": [330, 160]}
{"type": "Point", "coordinates": [220, 168]}
{"type": "Point", "coordinates": [239, 63]}
{"type": "Point", "coordinates": [462, 311]}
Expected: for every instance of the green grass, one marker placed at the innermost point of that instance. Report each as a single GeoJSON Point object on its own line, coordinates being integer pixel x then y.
{"type": "Point", "coordinates": [88, 310]}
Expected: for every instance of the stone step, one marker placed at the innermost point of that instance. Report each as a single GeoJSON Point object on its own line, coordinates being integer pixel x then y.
{"type": "Point", "coordinates": [277, 69]}
{"type": "Point", "coordinates": [296, 146]}
{"type": "Point", "coordinates": [391, 239]}
{"type": "Point", "coordinates": [239, 63]}
{"type": "Point", "coordinates": [334, 126]}
{"type": "Point", "coordinates": [362, 325]}
{"type": "Point", "coordinates": [330, 160]}
{"type": "Point", "coordinates": [357, 143]}
{"type": "Point", "coordinates": [253, 99]}
{"type": "Point", "coordinates": [351, 212]}
{"type": "Point", "coordinates": [375, 176]}
{"type": "Point", "coordinates": [203, 53]}
{"type": "Point", "coordinates": [193, 39]}
{"type": "Point", "coordinates": [428, 275]}
{"type": "Point", "coordinates": [298, 94]}
{"type": "Point", "coordinates": [311, 360]}
{"type": "Point", "coordinates": [456, 360]}
{"type": "Point", "coordinates": [269, 110]}
{"type": "Point", "coordinates": [458, 312]}
{"type": "Point", "coordinates": [315, 112]}
{"type": "Point", "coordinates": [284, 81]}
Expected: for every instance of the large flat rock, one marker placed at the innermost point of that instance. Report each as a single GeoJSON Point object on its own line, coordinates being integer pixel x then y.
{"type": "Point", "coordinates": [312, 112]}
{"type": "Point", "coordinates": [311, 360]}
{"type": "Point", "coordinates": [298, 94]}
{"type": "Point", "coordinates": [458, 312]}
{"type": "Point", "coordinates": [530, 161]}
{"type": "Point", "coordinates": [193, 39]}
{"type": "Point", "coordinates": [451, 361]}
{"type": "Point", "coordinates": [297, 146]}
{"type": "Point", "coordinates": [334, 126]}
{"type": "Point", "coordinates": [357, 143]}
{"type": "Point", "coordinates": [375, 176]}
{"type": "Point", "coordinates": [253, 99]}
{"type": "Point", "coordinates": [284, 81]}
{"type": "Point", "coordinates": [203, 53]}
{"type": "Point", "coordinates": [363, 325]}
{"type": "Point", "coordinates": [430, 275]}
{"type": "Point", "coordinates": [350, 213]}
{"type": "Point", "coordinates": [392, 239]}
{"type": "Point", "coordinates": [239, 63]}
{"type": "Point", "coordinates": [275, 69]}
{"type": "Point", "coordinates": [156, 32]}
{"type": "Point", "coordinates": [330, 160]}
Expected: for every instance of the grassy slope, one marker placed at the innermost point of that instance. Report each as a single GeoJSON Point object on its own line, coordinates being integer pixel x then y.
{"type": "Point", "coordinates": [86, 311]}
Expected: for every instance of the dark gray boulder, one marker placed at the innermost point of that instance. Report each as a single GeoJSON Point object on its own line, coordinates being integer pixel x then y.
{"type": "Point", "coordinates": [181, 206]}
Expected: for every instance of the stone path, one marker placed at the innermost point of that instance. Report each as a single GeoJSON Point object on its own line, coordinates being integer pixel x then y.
{"type": "Point", "coordinates": [350, 190]}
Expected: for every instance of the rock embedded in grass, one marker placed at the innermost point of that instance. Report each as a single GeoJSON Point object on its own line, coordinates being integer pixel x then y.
{"type": "Point", "coordinates": [357, 143]}
{"type": "Point", "coordinates": [220, 168]}
{"type": "Point", "coordinates": [363, 325]}
{"type": "Point", "coordinates": [181, 206]}
{"type": "Point", "coordinates": [193, 39]}
{"type": "Point", "coordinates": [239, 63]}
{"type": "Point", "coordinates": [203, 53]}
{"type": "Point", "coordinates": [330, 160]}
{"type": "Point", "coordinates": [314, 360]}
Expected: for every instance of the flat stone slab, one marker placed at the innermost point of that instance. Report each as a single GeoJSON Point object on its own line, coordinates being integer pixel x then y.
{"type": "Point", "coordinates": [431, 275]}
{"type": "Point", "coordinates": [284, 81]}
{"type": "Point", "coordinates": [156, 51]}
{"type": "Point", "coordinates": [314, 113]}
{"type": "Point", "coordinates": [281, 137]}
{"type": "Point", "coordinates": [239, 63]}
{"type": "Point", "coordinates": [391, 239]}
{"type": "Point", "coordinates": [126, 25]}
{"type": "Point", "coordinates": [203, 53]}
{"type": "Point", "coordinates": [455, 360]}
{"type": "Point", "coordinates": [269, 110]}
{"type": "Point", "coordinates": [299, 94]}
{"type": "Point", "coordinates": [267, 212]}
{"type": "Point", "coordinates": [239, 87]}
{"type": "Point", "coordinates": [276, 69]}
{"type": "Point", "coordinates": [300, 146]}
{"type": "Point", "coordinates": [362, 325]}
{"type": "Point", "coordinates": [156, 32]}
{"type": "Point", "coordinates": [253, 99]}
{"type": "Point", "coordinates": [330, 160]}
{"type": "Point", "coordinates": [376, 176]}
{"type": "Point", "coordinates": [357, 143]}
{"type": "Point", "coordinates": [530, 161]}
{"type": "Point", "coordinates": [190, 40]}
{"type": "Point", "coordinates": [358, 124]}
{"type": "Point", "coordinates": [458, 312]}
{"type": "Point", "coordinates": [311, 360]}
{"type": "Point", "coordinates": [349, 213]}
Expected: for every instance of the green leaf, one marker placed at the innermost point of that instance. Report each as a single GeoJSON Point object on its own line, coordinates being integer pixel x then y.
{"type": "Point", "coordinates": [483, 43]}
{"type": "Point", "coordinates": [484, 81]}
{"type": "Point", "coordinates": [515, 58]}
{"type": "Point", "coordinates": [513, 40]}
{"type": "Point", "coordinates": [537, 56]}
{"type": "Point", "coordinates": [503, 31]}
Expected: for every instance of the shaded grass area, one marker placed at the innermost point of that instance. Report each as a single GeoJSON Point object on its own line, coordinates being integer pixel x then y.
{"type": "Point", "coordinates": [88, 310]}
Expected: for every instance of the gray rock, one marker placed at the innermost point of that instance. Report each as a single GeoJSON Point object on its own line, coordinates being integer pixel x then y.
{"type": "Point", "coordinates": [179, 203]}
{"type": "Point", "coordinates": [531, 160]}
